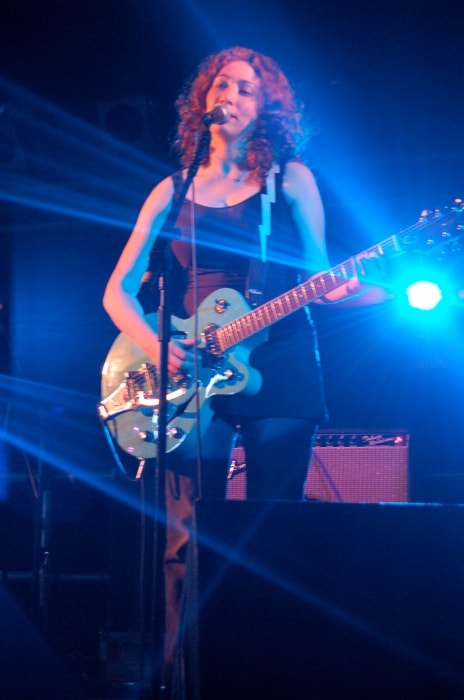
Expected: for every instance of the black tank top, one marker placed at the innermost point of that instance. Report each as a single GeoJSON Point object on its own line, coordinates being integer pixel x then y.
{"type": "Point", "coordinates": [226, 238]}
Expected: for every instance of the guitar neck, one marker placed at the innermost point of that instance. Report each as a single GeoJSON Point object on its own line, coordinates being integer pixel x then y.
{"type": "Point", "coordinates": [281, 306]}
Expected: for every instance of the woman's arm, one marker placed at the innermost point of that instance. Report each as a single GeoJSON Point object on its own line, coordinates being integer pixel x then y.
{"type": "Point", "coordinates": [120, 297]}
{"type": "Point", "coordinates": [302, 194]}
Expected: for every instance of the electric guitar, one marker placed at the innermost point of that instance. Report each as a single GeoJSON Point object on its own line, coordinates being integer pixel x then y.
{"type": "Point", "coordinates": [228, 331]}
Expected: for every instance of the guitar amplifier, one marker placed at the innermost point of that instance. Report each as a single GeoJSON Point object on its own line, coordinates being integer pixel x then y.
{"type": "Point", "coordinates": [359, 467]}
{"type": "Point", "coordinates": [352, 466]}
{"type": "Point", "coordinates": [236, 478]}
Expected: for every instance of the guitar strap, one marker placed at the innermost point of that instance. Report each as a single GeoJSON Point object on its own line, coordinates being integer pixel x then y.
{"type": "Point", "coordinates": [259, 267]}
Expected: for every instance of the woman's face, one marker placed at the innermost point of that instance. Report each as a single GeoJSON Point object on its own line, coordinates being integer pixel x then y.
{"type": "Point", "coordinates": [237, 86]}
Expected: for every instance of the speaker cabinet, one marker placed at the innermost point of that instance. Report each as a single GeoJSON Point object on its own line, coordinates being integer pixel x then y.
{"type": "Point", "coordinates": [359, 467]}
{"type": "Point", "coordinates": [351, 466]}
{"type": "Point", "coordinates": [236, 479]}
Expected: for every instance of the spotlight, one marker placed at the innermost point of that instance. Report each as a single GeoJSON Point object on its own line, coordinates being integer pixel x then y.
{"type": "Point", "coordinates": [424, 295]}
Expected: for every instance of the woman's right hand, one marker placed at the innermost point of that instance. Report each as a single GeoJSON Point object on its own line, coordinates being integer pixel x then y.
{"type": "Point", "coordinates": [180, 358]}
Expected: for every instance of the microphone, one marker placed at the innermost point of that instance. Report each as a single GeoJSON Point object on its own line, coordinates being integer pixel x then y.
{"type": "Point", "coordinates": [218, 115]}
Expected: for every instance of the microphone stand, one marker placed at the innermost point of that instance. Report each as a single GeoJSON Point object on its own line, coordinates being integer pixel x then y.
{"type": "Point", "coordinates": [164, 335]}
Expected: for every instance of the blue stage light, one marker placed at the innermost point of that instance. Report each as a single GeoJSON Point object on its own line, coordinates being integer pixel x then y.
{"type": "Point", "coordinates": [424, 295]}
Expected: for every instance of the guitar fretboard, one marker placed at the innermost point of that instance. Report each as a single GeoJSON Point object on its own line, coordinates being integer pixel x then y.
{"type": "Point", "coordinates": [281, 306]}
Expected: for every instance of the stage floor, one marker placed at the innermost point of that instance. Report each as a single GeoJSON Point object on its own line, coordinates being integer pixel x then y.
{"type": "Point", "coordinates": [311, 601]}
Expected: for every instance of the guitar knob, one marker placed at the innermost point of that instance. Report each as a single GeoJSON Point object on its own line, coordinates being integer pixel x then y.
{"type": "Point", "coordinates": [230, 374]}
{"type": "Point", "coordinates": [176, 433]}
{"type": "Point", "coordinates": [146, 436]}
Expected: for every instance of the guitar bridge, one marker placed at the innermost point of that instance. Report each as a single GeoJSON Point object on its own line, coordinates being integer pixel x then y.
{"type": "Point", "coordinates": [138, 391]}
{"type": "Point", "coordinates": [142, 382]}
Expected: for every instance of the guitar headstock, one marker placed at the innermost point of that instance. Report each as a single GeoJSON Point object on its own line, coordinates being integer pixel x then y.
{"type": "Point", "coordinates": [436, 230]}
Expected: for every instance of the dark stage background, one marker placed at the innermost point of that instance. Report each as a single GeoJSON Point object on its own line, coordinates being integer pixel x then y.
{"type": "Point", "coordinates": [86, 114]}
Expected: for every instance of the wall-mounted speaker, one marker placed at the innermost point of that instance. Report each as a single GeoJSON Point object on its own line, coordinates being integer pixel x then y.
{"type": "Point", "coordinates": [130, 120]}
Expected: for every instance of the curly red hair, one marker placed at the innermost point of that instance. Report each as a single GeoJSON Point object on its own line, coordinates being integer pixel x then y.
{"type": "Point", "coordinates": [278, 134]}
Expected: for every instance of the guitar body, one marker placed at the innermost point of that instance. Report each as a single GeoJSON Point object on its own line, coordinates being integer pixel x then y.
{"type": "Point", "coordinates": [131, 417]}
